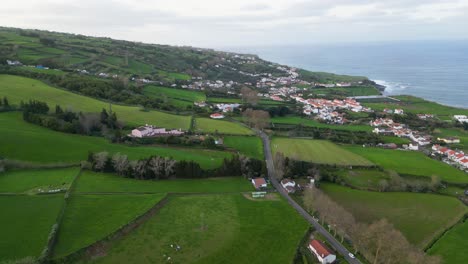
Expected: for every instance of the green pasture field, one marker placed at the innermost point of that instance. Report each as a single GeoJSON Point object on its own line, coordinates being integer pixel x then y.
{"type": "Point", "coordinates": [410, 162]}
{"type": "Point", "coordinates": [93, 182]}
{"type": "Point", "coordinates": [20, 88]}
{"type": "Point", "coordinates": [396, 140]}
{"type": "Point", "coordinates": [420, 217]}
{"type": "Point", "coordinates": [20, 140]}
{"type": "Point", "coordinates": [296, 120]}
{"type": "Point", "coordinates": [90, 218]}
{"type": "Point", "coordinates": [220, 126]}
{"type": "Point", "coordinates": [348, 91]}
{"type": "Point", "coordinates": [452, 245]}
{"type": "Point", "coordinates": [182, 94]}
{"type": "Point", "coordinates": [26, 223]}
{"type": "Point", "coordinates": [363, 179]}
{"type": "Point", "coordinates": [19, 181]}
{"type": "Point", "coordinates": [213, 229]}
{"type": "Point", "coordinates": [174, 75]}
{"type": "Point", "coordinates": [249, 146]}
{"type": "Point", "coordinates": [316, 151]}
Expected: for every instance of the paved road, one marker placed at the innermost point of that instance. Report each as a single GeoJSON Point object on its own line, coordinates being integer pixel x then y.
{"type": "Point", "coordinates": [319, 228]}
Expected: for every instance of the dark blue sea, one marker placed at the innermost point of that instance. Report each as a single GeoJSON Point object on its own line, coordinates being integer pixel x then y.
{"type": "Point", "coordinates": [434, 70]}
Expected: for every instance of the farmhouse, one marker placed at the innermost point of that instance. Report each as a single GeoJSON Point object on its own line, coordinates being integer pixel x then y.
{"type": "Point", "coordinates": [217, 116]}
{"type": "Point", "coordinates": [323, 254]}
{"type": "Point", "coordinates": [259, 183]}
{"type": "Point", "coordinates": [289, 185]}
{"type": "Point", "coordinates": [399, 112]}
{"type": "Point", "coordinates": [152, 131]}
{"type": "Point", "coordinates": [461, 118]}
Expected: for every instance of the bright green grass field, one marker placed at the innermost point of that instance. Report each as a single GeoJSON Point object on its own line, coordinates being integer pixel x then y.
{"type": "Point", "coordinates": [296, 120]}
{"type": "Point", "coordinates": [89, 218]}
{"type": "Point", "coordinates": [25, 224]}
{"type": "Point", "coordinates": [223, 127]}
{"type": "Point", "coordinates": [104, 182]}
{"type": "Point", "coordinates": [19, 88]}
{"type": "Point", "coordinates": [24, 141]}
{"type": "Point", "coordinates": [452, 245]}
{"type": "Point", "coordinates": [418, 216]}
{"type": "Point", "coordinates": [317, 151]}
{"type": "Point", "coordinates": [25, 180]}
{"type": "Point", "coordinates": [410, 162]}
{"type": "Point", "coordinates": [248, 146]}
{"type": "Point", "coordinates": [214, 229]}
{"type": "Point", "coordinates": [188, 95]}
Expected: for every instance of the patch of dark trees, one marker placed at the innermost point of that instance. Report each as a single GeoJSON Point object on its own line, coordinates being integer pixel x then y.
{"type": "Point", "coordinates": [158, 168]}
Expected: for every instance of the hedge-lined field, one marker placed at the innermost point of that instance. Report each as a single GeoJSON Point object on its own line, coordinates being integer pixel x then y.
{"type": "Point", "coordinates": [248, 146]}
{"type": "Point", "coordinates": [316, 151]}
{"type": "Point", "coordinates": [25, 224]}
{"type": "Point", "coordinates": [106, 182]}
{"type": "Point", "coordinates": [418, 216]}
{"type": "Point", "coordinates": [296, 120]}
{"type": "Point", "coordinates": [452, 245]}
{"type": "Point", "coordinates": [89, 218]}
{"type": "Point", "coordinates": [24, 141]}
{"type": "Point", "coordinates": [20, 88]}
{"type": "Point", "coordinates": [410, 162]}
{"type": "Point", "coordinates": [214, 229]}
{"type": "Point", "coordinates": [220, 126]}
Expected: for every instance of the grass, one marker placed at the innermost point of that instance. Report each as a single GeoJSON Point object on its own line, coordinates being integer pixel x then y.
{"type": "Point", "coordinates": [102, 182]}
{"type": "Point", "coordinates": [26, 223]}
{"type": "Point", "coordinates": [248, 146]}
{"type": "Point", "coordinates": [396, 140]}
{"type": "Point", "coordinates": [20, 181]}
{"type": "Point", "coordinates": [418, 105]}
{"type": "Point", "coordinates": [452, 246]}
{"type": "Point", "coordinates": [348, 91]}
{"type": "Point", "coordinates": [296, 120]}
{"type": "Point", "coordinates": [363, 179]}
{"type": "Point", "coordinates": [317, 151]}
{"type": "Point", "coordinates": [20, 88]}
{"type": "Point", "coordinates": [182, 94]}
{"type": "Point", "coordinates": [222, 127]}
{"type": "Point", "coordinates": [419, 217]}
{"type": "Point", "coordinates": [24, 141]}
{"type": "Point", "coordinates": [89, 218]}
{"type": "Point", "coordinates": [410, 162]}
{"type": "Point", "coordinates": [214, 229]}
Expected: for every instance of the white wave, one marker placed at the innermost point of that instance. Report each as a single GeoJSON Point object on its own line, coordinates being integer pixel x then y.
{"type": "Point", "coordinates": [392, 87]}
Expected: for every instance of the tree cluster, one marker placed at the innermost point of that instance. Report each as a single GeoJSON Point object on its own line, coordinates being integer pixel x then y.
{"type": "Point", "coordinates": [379, 242]}
{"type": "Point", "coordinates": [258, 119]}
{"type": "Point", "coordinates": [249, 96]}
{"type": "Point", "coordinates": [4, 104]}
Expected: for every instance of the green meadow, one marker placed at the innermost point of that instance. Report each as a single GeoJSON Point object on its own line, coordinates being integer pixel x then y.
{"type": "Point", "coordinates": [316, 151]}
{"type": "Point", "coordinates": [250, 146]}
{"type": "Point", "coordinates": [220, 126]}
{"type": "Point", "coordinates": [25, 224]}
{"type": "Point", "coordinates": [213, 229]}
{"type": "Point", "coordinates": [19, 89]}
{"type": "Point", "coordinates": [296, 120]}
{"type": "Point", "coordinates": [177, 97]}
{"type": "Point", "coordinates": [452, 245]}
{"type": "Point", "coordinates": [90, 218]}
{"type": "Point", "coordinates": [410, 162]}
{"type": "Point", "coordinates": [93, 182]}
{"type": "Point", "coordinates": [24, 141]}
{"type": "Point", "coordinates": [420, 217]}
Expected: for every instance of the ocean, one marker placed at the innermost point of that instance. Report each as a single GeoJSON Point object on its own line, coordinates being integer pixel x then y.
{"type": "Point", "coordinates": [434, 70]}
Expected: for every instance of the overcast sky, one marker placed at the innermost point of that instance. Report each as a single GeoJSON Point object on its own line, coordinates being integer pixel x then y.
{"type": "Point", "coordinates": [216, 23]}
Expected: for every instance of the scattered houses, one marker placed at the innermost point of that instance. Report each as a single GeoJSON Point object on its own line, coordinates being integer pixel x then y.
{"type": "Point", "coordinates": [400, 130]}
{"type": "Point", "coordinates": [323, 254]}
{"type": "Point", "coordinates": [461, 118]}
{"type": "Point", "coordinates": [217, 116]}
{"type": "Point", "coordinates": [289, 185]}
{"type": "Point", "coordinates": [13, 63]}
{"type": "Point", "coordinates": [152, 131]}
{"type": "Point", "coordinates": [454, 157]}
{"type": "Point", "coordinates": [227, 107]}
{"type": "Point", "coordinates": [259, 183]}
{"type": "Point", "coordinates": [425, 116]}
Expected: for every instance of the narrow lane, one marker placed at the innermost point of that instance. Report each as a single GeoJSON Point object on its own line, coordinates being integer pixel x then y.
{"type": "Point", "coordinates": [319, 228]}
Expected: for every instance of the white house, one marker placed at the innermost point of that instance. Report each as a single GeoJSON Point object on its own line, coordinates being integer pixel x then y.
{"type": "Point", "coordinates": [259, 183]}
{"type": "Point", "coordinates": [449, 140]}
{"type": "Point", "coordinates": [289, 185]}
{"type": "Point", "coordinates": [461, 118]}
{"type": "Point", "coordinates": [217, 116]}
{"type": "Point", "coordinates": [151, 131]}
{"type": "Point", "coordinates": [323, 254]}
{"type": "Point", "coordinates": [398, 111]}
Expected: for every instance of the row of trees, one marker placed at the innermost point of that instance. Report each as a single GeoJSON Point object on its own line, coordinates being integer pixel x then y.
{"type": "Point", "coordinates": [379, 242]}
{"type": "Point", "coordinates": [4, 103]}
{"type": "Point", "coordinates": [156, 167]}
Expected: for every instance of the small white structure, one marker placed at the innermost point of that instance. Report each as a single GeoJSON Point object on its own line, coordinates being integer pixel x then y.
{"type": "Point", "coordinates": [289, 185]}
{"type": "Point", "coordinates": [151, 131]}
{"type": "Point", "coordinates": [398, 111]}
{"type": "Point", "coordinates": [217, 116]}
{"type": "Point", "coordinates": [323, 254]}
{"type": "Point", "coordinates": [259, 183]}
{"type": "Point", "coordinates": [449, 140]}
{"type": "Point", "coordinates": [461, 118]}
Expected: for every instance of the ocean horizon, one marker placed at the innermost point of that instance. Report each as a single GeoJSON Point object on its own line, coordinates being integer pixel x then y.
{"type": "Point", "coordinates": [434, 70]}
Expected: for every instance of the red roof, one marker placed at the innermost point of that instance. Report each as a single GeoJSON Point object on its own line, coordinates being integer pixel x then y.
{"type": "Point", "coordinates": [258, 182]}
{"type": "Point", "coordinates": [320, 248]}
{"type": "Point", "coordinates": [464, 161]}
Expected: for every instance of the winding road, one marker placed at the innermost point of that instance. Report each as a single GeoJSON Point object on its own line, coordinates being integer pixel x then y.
{"type": "Point", "coordinates": [319, 228]}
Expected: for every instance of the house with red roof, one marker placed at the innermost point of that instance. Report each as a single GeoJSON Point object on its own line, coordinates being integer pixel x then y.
{"type": "Point", "coordinates": [323, 254]}
{"type": "Point", "coordinates": [289, 185]}
{"type": "Point", "coordinates": [217, 116]}
{"type": "Point", "coordinates": [464, 163]}
{"type": "Point", "coordinates": [259, 183]}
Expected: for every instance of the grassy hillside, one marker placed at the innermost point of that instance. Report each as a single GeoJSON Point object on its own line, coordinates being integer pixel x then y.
{"type": "Point", "coordinates": [92, 182]}
{"type": "Point", "coordinates": [26, 223]}
{"type": "Point", "coordinates": [20, 88]}
{"type": "Point", "coordinates": [89, 218]}
{"type": "Point", "coordinates": [317, 151]}
{"type": "Point", "coordinates": [410, 162]}
{"type": "Point", "coordinates": [214, 229]}
{"type": "Point", "coordinates": [24, 141]}
{"type": "Point", "coordinates": [418, 216]}
{"type": "Point", "coordinates": [452, 245]}
{"type": "Point", "coordinates": [249, 146]}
